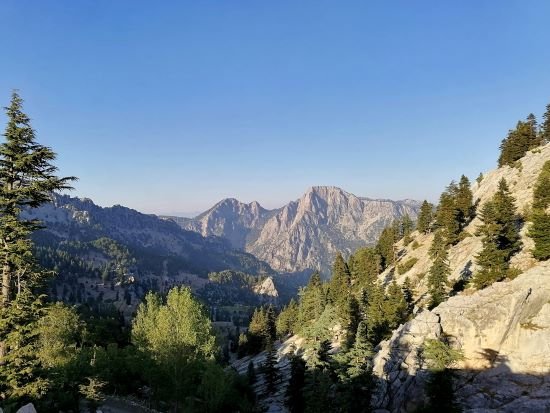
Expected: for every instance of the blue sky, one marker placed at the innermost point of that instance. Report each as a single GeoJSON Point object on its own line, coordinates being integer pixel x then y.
{"type": "Point", "coordinates": [171, 106]}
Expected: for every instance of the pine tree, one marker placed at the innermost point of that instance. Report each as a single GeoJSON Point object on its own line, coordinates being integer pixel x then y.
{"type": "Point", "coordinates": [440, 358]}
{"type": "Point", "coordinates": [270, 369]}
{"type": "Point", "coordinates": [407, 227]}
{"type": "Point", "coordinates": [361, 352]}
{"type": "Point", "coordinates": [541, 193]}
{"type": "Point", "coordinates": [501, 238]}
{"type": "Point", "coordinates": [439, 271]}
{"type": "Point", "coordinates": [350, 317]}
{"type": "Point", "coordinates": [425, 217]}
{"type": "Point", "coordinates": [262, 328]}
{"type": "Point", "coordinates": [339, 286]}
{"type": "Point", "coordinates": [520, 140]}
{"type": "Point", "coordinates": [365, 268]}
{"type": "Point", "coordinates": [287, 319]}
{"type": "Point", "coordinates": [545, 127]}
{"type": "Point", "coordinates": [395, 306]}
{"type": "Point", "coordinates": [294, 391]}
{"type": "Point", "coordinates": [372, 301]}
{"type": "Point", "coordinates": [320, 356]}
{"type": "Point", "coordinates": [312, 300]}
{"type": "Point", "coordinates": [408, 293]}
{"type": "Point", "coordinates": [385, 246]}
{"type": "Point", "coordinates": [447, 214]}
{"type": "Point", "coordinates": [27, 180]}
{"type": "Point", "coordinates": [539, 230]}
{"type": "Point", "coordinates": [464, 202]}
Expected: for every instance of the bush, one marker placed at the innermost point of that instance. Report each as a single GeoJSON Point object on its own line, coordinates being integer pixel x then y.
{"type": "Point", "coordinates": [406, 266]}
{"type": "Point", "coordinates": [415, 245]}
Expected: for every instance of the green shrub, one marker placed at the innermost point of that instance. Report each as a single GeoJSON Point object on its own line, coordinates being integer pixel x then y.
{"type": "Point", "coordinates": [406, 266]}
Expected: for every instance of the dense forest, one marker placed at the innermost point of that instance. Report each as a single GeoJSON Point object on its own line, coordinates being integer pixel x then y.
{"type": "Point", "coordinates": [63, 350]}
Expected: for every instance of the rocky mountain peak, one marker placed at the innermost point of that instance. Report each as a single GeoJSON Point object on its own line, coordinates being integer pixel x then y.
{"type": "Point", "coordinates": [303, 234]}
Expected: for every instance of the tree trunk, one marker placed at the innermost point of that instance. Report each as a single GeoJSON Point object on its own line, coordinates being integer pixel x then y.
{"type": "Point", "coordinates": [6, 284]}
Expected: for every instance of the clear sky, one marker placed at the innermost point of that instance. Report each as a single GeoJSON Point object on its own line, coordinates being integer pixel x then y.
{"type": "Point", "coordinates": [171, 106]}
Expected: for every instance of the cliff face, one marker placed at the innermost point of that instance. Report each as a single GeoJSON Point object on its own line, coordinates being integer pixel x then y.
{"type": "Point", "coordinates": [504, 333]}
{"type": "Point", "coordinates": [304, 234]}
{"type": "Point", "coordinates": [230, 219]}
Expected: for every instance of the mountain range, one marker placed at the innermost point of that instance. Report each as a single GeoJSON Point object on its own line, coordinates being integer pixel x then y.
{"type": "Point", "coordinates": [303, 234]}
{"type": "Point", "coordinates": [69, 219]}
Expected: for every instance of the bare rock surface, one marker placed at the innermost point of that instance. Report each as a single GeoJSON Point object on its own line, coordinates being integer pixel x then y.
{"type": "Point", "coordinates": [306, 233]}
{"type": "Point", "coordinates": [504, 333]}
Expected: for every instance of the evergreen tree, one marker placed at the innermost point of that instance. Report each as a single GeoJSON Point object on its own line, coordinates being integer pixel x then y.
{"type": "Point", "coordinates": [339, 286]}
{"type": "Point", "coordinates": [320, 356]}
{"type": "Point", "coordinates": [350, 317]}
{"type": "Point", "coordinates": [520, 140]}
{"type": "Point", "coordinates": [372, 301]}
{"type": "Point", "coordinates": [395, 306]}
{"type": "Point", "coordinates": [541, 193]}
{"type": "Point", "coordinates": [262, 329]}
{"type": "Point", "coordinates": [312, 300]}
{"type": "Point", "coordinates": [358, 385]}
{"type": "Point", "coordinates": [439, 388]}
{"type": "Point", "coordinates": [360, 353]}
{"type": "Point", "coordinates": [479, 178]}
{"type": "Point", "coordinates": [270, 369]}
{"type": "Point", "coordinates": [385, 246]}
{"type": "Point", "coordinates": [539, 230]}
{"type": "Point", "coordinates": [408, 293]}
{"type": "Point", "coordinates": [318, 391]}
{"type": "Point", "coordinates": [287, 319]}
{"type": "Point", "coordinates": [425, 217]}
{"type": "Point", "coordinates": [439, 271]}
{"type": "Point", "coordinates": [27, 180]}
{"type": "Point", "coordinates": [407, 227]}
{"type": "Point", "coordinates": [447, 214]}
{"type": "Point", "coordinates": [295, 390]}
{"type": "Point", "coordinates": [540, 233]}
{"type": "Point", "coordinates": [545, 127]}
{"type": "Point", "coordinates": [464, 202]}
{"type": "Point", "coordinates": [366, 267]}
{"type": "Point", "coordinates": [501, 238]}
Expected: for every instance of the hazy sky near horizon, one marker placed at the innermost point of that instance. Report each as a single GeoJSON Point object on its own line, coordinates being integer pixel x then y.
{"type": "Point", "coordinates": [168, 107]}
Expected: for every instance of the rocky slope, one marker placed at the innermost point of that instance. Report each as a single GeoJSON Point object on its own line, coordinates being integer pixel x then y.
{"type": "Point", "coordinates": [521, 181]}
{"type": "Point", "coordinates": [503, 330]}
{"type": "Point", "coordinates": [236, 221]}
{"type": "Point", "coordinates": [304, 234]}
{"type": "Point", "coordinates": [504, 334]}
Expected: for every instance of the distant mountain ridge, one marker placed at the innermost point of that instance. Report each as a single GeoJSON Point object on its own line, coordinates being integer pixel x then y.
{"type": "Point", "coordinates": [304, 234]}
{"type": "Point", "coordinates": [79, 219]}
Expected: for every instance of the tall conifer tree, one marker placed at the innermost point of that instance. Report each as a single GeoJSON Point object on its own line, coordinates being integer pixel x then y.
{"type": "Point", "coordinates": [464, 202]}
{"type": "Point", "coordinates": [539, 230]}
{"type": "Point", "coordinates": [425, 217]}
{"type": "Point", "coordinates": [545, 127]}
{"type": "Point", "coordinates": [439, 271]}
{"type": "Point", "coordinates": [501, 237]}
{"type": "Point", "coordinates": [27, 180]}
